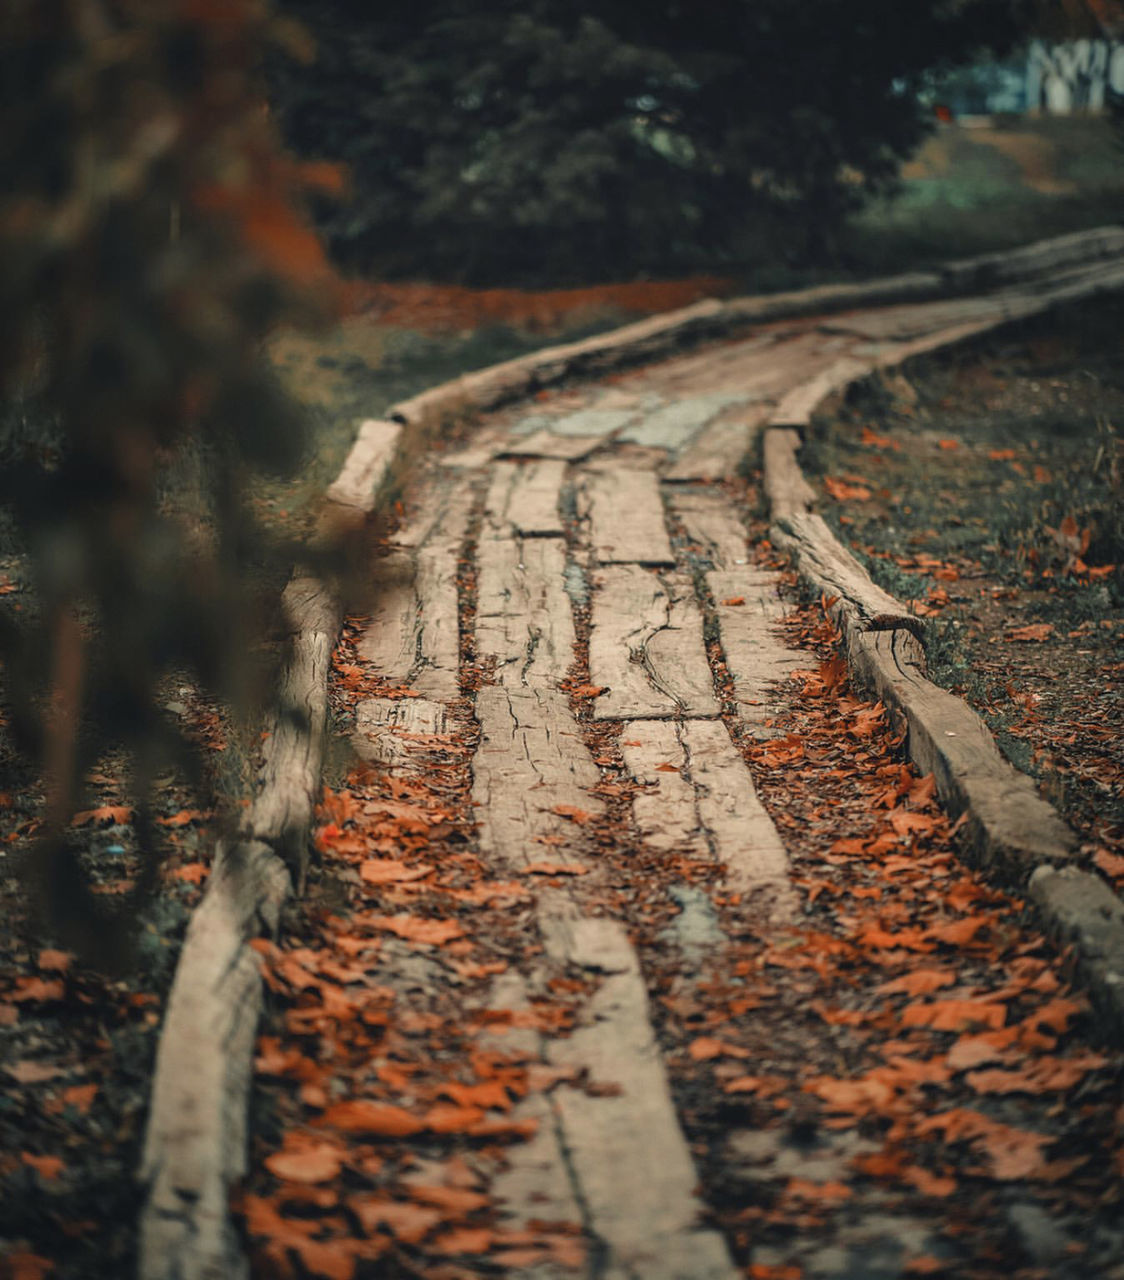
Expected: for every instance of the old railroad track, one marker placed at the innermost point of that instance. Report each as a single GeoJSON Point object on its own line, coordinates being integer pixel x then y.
{"type": "Point", "coordinates": [560, 1004]}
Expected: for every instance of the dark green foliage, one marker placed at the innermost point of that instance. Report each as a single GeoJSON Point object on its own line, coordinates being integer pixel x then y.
{"type": "Point", "coordinates": [148, 246]}
{"type": "Point", "coordinates": [553, 140]}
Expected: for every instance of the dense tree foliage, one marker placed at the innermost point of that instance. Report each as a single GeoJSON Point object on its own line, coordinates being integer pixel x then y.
{"type": "Point", "coordinates": [494, 139]}
{"type": "Point", "coordinates": [148, 244]}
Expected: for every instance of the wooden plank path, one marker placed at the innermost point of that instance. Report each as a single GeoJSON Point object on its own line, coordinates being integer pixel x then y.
{"type": "Point", "coordinates": [594, 561]}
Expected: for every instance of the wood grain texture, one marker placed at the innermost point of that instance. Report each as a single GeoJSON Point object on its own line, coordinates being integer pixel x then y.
{"type": "Point", "coordinates": [798, 405]}
{"type": "Point", "coordinates": [626, 517]}
{"type": "Point", "coordinates": [523, 499]}
{"type": "Point", "coordinates": [1010, 827]}
{"type": "Point", "coordinates": [708, 808]}
{"type": "Point", "coordinates": [713, 526]}
{"type": "Point", "coordinates": [413, 637]}
{"type": "Point", "coordinates": [786, 490]}
{"type": "Point", "coordinates": [366, 465]}
{"type": "Point", "coordinates": [1083, 913]}
{"type": "Point", "coordinates": [756, 658]}
{"type": "Point", "coordinates": [531, 759]}
{"type": "Point", "coordinates": [384, 727]}
{"type": "Point", "coordinates": [524, 622]}
{"type": "Point", "coordinates": [195, 1148]}
{"type": "Point", "coordinates": [720, 449]}
{"type": "Point", "coordinates": [289, 781]}
{"type": "Point", "coordinates": [833, 571]}
{"type": "Point", "coordinates": [544, 444]}
{"type": "Point", "coordinates": [627, 1151]}
{"type": "Point", "coordinates": [646, 646]}
{"type": "Point", "coordinates": [674, 425]}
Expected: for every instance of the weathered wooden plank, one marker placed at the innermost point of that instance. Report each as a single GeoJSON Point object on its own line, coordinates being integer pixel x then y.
{"type": "Point", "coordinates": [530, 761]}
{"type": "Point", "coordinates": [661, 334]}
{"type": "Point", "coordinates": [798, 405]}
{"type": "Point", "coordinates": [712, 524]}
{"type": "Point", "coordinates": [413, 637]}
{"type": "Point", "coordinates": [666, 813]}
{"type": "Point", "coordinates": [523, 498]}
{"type": "Point", "coordinates": [674, 425]}
{"type": "Point", "coordinates": [195, 1147]}
{"type": "Point", "coordinates": [592, 422]}
{"type": "Point", "coordinates": [1057, 253]}
{"type": "Point", "coordinates": [646, 647]}
{"type": "Point", "coordinates": [1083, 913]}
{"type": "Point", "coordinates": [524, 622]}
{"type": "Point", "coordinates": [834, 572]}
{"type": "Point", "coordinates": [885, 355]}
{"type": "Point", "coordinates": [743, 834]}
{"type": "Point", "coordinates": [627, 1150]}
{"type": "Point", "coordinates": [482, 448]}
{"type": "Point", "coordinates": [1009, 825]}
{"type": "Point", "coordinates": [709, 807]}
{"type": "Point", "coordinates": [788, 493]}
{"type": "Point", "coordinates": [366, 465]}
{"type": "Point", "coordinates": [543, 444]}
{"type": "Point", "coordinates": [383, 727]}
{"type": "Point", "coordinates": [755, 658]}
{"type": "Point", "coordinates": [719, 449]}
{"type": "Point", "coordinates": [902, 324]}
{"type": "Point", "coordinates": [626, 517]}
{"type": "Point", "coordinates": [289, 781]}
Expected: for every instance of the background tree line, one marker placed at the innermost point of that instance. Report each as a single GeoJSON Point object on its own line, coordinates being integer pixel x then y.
{"type": "Point", "coordinates": [553, 140]}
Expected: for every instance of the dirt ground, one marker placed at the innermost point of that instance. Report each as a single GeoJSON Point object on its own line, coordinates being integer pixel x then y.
{"type": "Point", "coordinates": [985, 486]}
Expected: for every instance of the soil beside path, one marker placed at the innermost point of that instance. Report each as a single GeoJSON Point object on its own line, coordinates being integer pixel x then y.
{"type": "Point", "coordinates": [636, 949]}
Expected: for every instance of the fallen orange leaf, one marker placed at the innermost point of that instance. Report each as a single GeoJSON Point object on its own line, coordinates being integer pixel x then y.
{"type": "Point", "coordinates": [359, 1115]}
{"type": "Point", "coordinates": [117, 815]}
{"type": "Point", "coordinates": [319, 1162]}
{"type": "Point", "coordinates": [47, 1167]}
{"type": "Point", "coordinates": [580, 816]}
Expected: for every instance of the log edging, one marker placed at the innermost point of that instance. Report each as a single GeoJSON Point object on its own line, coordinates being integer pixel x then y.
{"type": "Point", "coordinates": [657, 335]}
{"type": "Point", "coordinates": [1008, 827]}
{"type": "Point", "coordinates": [196, 1140]}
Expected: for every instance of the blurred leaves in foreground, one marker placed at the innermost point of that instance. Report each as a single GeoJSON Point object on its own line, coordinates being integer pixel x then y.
{"type": "Point", "coordinates": [148, 243]}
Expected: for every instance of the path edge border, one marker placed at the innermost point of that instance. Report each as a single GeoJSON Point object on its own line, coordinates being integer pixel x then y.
{"type": "Point", "coordinates": [1008, 828]}
{"type": "Point", "coordinates": [197, 1132]}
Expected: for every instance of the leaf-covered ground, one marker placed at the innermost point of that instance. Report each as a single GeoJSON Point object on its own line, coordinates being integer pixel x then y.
{"type": "Point", "coordinates": [986, 487]}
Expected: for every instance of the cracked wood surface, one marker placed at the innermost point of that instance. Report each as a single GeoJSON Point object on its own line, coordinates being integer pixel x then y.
{"type": "Point", "coordinates": [384, 726]}
{"type": "Point", "coordinates": [627, 1152]}
{"type": "Point", "coordinates": [673, 426]}
{"type": "Point", "coordinates": [543, 444]}
{"type": "Point", "coordinates": [626, 518]}
{"type": "Point", "coordinates": [524, 498]}
{"type": "Point", "coordinates": [413, 634]}
{"type": "Point", "coordinates": [531, 761]}
{"type": "Point", "coordinates": [707, 806]}
{"type": "Point", "coordinates": [195, 1147]}
{"type": "Point", "coordinates": [747, 608]}
{"type": "Point", "coordinates": [646, 647]}
{"type": "Point", "coordinates": [524, 623]}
